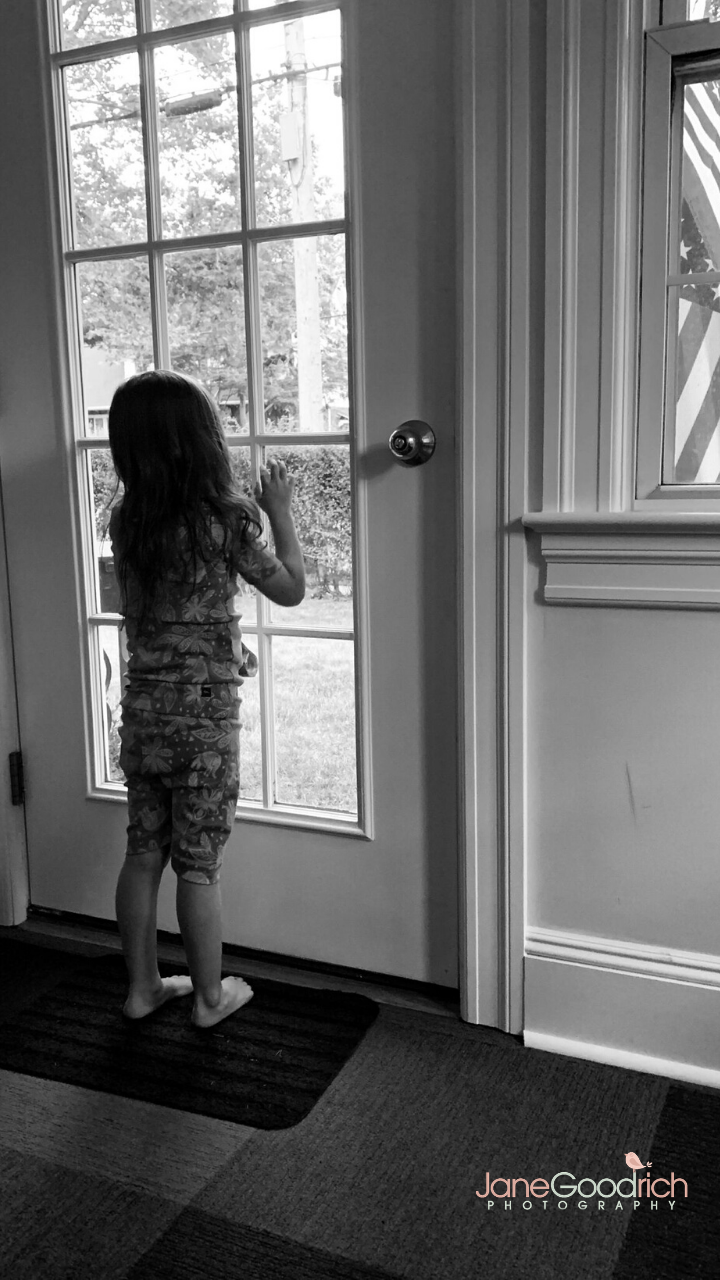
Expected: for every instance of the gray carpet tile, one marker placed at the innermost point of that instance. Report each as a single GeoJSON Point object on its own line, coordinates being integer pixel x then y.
{"type": "Point", "coordinates": [384, 1170]}
{"type": "Point", "coordinates": [199, 1246]}
{"type": "Point", "coordinates": [57, 1224]}
{"type": "Point", "coordinates": [666, 1243]}
{"type": "Point", "coordinates": [162, 1151]}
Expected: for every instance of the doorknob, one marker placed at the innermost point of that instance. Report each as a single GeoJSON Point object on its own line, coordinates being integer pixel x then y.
{"type": "Point", "coordinates": [412, 443]}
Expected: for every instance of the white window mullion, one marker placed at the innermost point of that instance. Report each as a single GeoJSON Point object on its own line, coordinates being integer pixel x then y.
{"type": "Point", "coordinates": [54, 18]}
{"type": "Point", "coordinates": [245, 135]}
{"type": "Point", "coordinates": [670, 395]}
{"type": "Point", "coordinates": [256, 409]}
{"type": "Point", "coordinates": [256, 413]}
{"type": "Point", "coordinates": [253, 337]}
{"type": "Point", "coordinates": [267, 716]}
{"type": "Point", "coordinates": [148, 111]}
{"type": "Point", "coordinates": [672, 294]}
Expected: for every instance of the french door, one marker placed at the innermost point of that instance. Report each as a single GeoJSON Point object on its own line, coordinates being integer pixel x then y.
{"type": "Point", "coordinates": [262, 196]}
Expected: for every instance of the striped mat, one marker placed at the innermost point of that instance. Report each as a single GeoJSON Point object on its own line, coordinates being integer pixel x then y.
{"type": "Point", "coordinates": [265, 1067]}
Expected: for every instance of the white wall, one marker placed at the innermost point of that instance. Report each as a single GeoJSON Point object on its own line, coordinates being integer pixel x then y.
{"type": "Point", "coordinates": [622, 930]}
{"type": "Point", "coordinates": [624, 739]}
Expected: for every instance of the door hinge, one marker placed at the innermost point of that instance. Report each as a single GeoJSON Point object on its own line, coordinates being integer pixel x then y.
{"type": "Point", "coordinates": [17, 778]}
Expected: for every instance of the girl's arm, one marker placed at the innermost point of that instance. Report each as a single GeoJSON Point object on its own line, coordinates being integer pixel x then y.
{"type": "Point", "coordinates": [280, 577]}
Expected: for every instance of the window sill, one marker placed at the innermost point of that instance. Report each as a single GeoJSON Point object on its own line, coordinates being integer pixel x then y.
{"type": "Point", "coordinates": [629, 558]}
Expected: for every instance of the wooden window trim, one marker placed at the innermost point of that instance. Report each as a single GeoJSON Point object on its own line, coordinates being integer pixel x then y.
{"type": "Point", "coordinates": [603, 507]}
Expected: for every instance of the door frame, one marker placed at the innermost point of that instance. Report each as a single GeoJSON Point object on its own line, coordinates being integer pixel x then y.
{"type": "Point", "coordinates": [493, 53]}
{"type": "Point", "coordinates": [496, 289]}
{"type": "Point", "coordinates": [14, 885]}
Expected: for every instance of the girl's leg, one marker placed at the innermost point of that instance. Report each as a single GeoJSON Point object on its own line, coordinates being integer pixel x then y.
{"type": "Point", "coordinates": [136, 907]}
{"type": "Point", "coordinates": [200, 917]}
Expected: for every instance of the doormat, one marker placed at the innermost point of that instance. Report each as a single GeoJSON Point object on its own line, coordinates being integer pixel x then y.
{"type": "Point", "coordinates": [265, 1066]}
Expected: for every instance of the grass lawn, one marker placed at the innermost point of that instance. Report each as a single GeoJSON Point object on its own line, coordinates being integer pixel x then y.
{"type": "Point", "coordinates": [314, 694]}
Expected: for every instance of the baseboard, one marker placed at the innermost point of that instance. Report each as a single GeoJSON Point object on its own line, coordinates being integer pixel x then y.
{"type": "Point", "coordinates": [667, 963]}
{"type": "Point", "coordinates": [614, 1057]}
{"type": "Point", "coordinates": [642, 1008]}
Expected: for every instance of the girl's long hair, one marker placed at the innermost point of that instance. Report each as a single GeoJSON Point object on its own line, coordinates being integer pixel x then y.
{"type": "Point", "coordinates": [171, 456]}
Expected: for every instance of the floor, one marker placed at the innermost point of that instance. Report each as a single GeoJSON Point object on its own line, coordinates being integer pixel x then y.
{"type": "Point", "coordinates": [44, 931]}
{"type": "Point", "coordinates": [378, 1182]}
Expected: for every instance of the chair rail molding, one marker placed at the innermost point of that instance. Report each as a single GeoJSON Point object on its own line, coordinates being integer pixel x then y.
{"type": "Point", "coordinates": [635, 558]}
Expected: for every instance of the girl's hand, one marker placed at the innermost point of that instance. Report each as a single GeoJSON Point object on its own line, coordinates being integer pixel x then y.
{"type": "Point", "coordinates": [274, 491]}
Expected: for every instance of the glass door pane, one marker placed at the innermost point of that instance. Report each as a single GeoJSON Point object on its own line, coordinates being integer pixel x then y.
{"type": "Point", "coordinates": [197, 112]}
{"type": "Point", "coordinates": [106, 151]}
{"type": "Point", "coordinates": [303, 318]}
{"type": "Point", "coordinates": [161, 175]}
{"type": "Point", "coordinates": [298, 120]}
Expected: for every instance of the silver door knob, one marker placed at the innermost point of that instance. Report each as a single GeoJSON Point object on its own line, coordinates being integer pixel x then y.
{"type": "Point", "coordinates": [412, 443]}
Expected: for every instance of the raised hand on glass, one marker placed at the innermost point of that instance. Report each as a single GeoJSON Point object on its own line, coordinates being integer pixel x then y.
{"type": "Point", "coordinates": [274, 490]}
{"type": "Point", "coordinates": [280, 577]}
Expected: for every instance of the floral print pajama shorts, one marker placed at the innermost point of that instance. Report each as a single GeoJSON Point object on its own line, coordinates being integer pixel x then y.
{"type": "Point", "coordinates": [180, 756]}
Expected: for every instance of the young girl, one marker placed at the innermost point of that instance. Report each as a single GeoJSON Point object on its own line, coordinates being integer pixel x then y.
{"type": "Point", "coordinates": [180, 537]}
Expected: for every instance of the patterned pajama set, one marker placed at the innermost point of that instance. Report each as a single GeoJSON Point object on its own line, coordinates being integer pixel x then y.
{"type": "Point", "coordinates": [180, 718]}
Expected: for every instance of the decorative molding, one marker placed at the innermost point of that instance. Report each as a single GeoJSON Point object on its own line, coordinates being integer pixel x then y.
{"type": "Point", "coordinates": [621, 226]}
{"type": "Point", "coordinates": [623, 521]}
{"type": "Point", "coordinates": [631, 563]}
{"type": "Point", "coordinates": [607, 165]}
{"type": "Point", "coordinates": [561, 251]}
{"type": "Point", "coordinates": [666, 963]}
{"type": "Point", "coordinates": [591, 254]}
{"type": "Point", "coordinates": [625, 1058]}
{"type": "Point", "coordinates": [665, 559]}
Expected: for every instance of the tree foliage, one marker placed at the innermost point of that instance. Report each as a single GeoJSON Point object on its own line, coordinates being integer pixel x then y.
{"type": "Point", "coordinates": [322, 512]}
{"type": "Point", "coordinates": [200, 193]}
{"type": "Point", "coordinates": [321, 507]}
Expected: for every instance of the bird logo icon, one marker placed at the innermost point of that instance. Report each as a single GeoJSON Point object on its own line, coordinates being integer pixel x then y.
{"type": "Point", "coordinates": [634, 1162]}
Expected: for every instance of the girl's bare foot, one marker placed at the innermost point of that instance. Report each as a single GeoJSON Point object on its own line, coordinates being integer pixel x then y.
{"type": "Point", "coordinates": [234, 993]}
{"type": "Point", "coordinates": [140, 1003]}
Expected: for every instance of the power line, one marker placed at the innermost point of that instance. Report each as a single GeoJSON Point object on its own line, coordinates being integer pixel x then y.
{"type": "Point", "coordinates": [204, 100]}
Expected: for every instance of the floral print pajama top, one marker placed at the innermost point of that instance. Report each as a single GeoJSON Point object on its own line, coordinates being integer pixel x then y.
{"type": "Point", "coordinates": [180, 712]}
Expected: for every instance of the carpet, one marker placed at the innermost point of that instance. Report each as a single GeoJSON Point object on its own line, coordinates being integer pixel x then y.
{"type": "Point", "coordinates": [379, 1181]}
{"type": "Point", "coordinates": [685, 1241]}
{"type": "Point", "coordinates": [265, 1067]}
{"type": "Point", "coordinates": [28, 971]}
{"type": "Point", "coordinates": [197, 1245]}
{"type": "Point", "coordinates": [385, 1170]}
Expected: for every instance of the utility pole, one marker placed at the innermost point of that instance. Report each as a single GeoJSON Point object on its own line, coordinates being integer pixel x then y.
{"type": "Point", "coordinates": [297, 152]}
